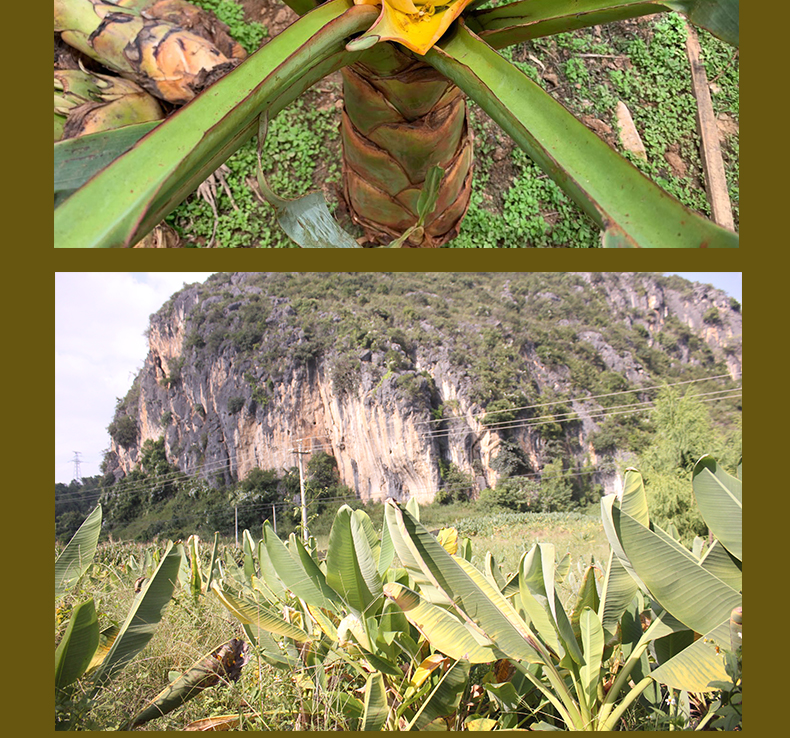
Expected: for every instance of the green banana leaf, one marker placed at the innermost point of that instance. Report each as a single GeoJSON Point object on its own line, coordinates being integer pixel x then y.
{"type": "Point", "coordinates": [444, 631]}
{"type": "Point", "coordinates": [592, 644]}
{"type": "Point", "coordinates": [78, 159]}
{"type": "Point", "coordinates": [444, 698]}
{"type": "Point", "coordinates": [143, 617]}
{"type": "Point", "coordinates": [609, 504]}
{"type": "Point", "coordinates": [375, 709]}
{"type": "Point", "coordinates": [697, 666]}
{"type": "Point", "coordinates": [722, 564]}
{"type": "Point", "coordinates": [80, 641]}
{"type": "Point", "coordinates": [693, 595]}
{"type": "Point", "coordinates": [617, 593]}
{"type": "Point", "coordinates": [285, 658]}
{"type": "Point", "coordinates": [386, 552]}
{"type": "Point", "coordinates": [78, 554]}
{"type": "Point", "coordinates": [582, 164]}
{"type": "Point", "coordinates": [520, 21]}
{"type": "Point", "coordinates": [126, 199]}
{"type": "Point", "coordinates": [253, 612]}
{"type": "Point", "coordinates": [269, 575]}
{"type": "Point", "coordinates": [307, 584]}
{"type": "Point", "coordinates": [464, 586]}
{"type": "Point", "coordinates": [719, 497]}
{"type": "Point", "coordinates": [350, 564]}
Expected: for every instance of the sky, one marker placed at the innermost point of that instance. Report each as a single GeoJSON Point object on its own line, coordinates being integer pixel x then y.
{"type": "Point", "coordinates": [100, 321]}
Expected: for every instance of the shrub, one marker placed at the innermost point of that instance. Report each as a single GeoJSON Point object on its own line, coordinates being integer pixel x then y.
{"type": "Point", "coordinates": [123, 430]}
{"type": "Point", "coordinates": [712, 316]}
{"type": "Point", "coordinates": [235, 404]}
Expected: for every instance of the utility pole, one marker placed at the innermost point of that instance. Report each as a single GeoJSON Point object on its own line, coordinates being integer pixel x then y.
{"type": "Point", "coordinates": [236, 508]}
{"type": "Point", "coordinates": [301, 491]}
{"type": "Point", "coordinates": [76, 460]}
{"type": "Point", "coordinates": [274, 517]}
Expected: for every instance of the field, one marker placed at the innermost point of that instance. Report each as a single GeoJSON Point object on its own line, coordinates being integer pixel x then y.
{"type": "Point", "coordinates": [265, 699]}
{"type": "Point", "coordinates": [440, 617]}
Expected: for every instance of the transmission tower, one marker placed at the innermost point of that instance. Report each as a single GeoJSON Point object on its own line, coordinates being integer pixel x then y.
{"type": "Point", "coordinates": [76, 461]}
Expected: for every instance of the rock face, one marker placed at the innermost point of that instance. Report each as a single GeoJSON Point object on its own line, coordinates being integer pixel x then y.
{"type": "Point", "coordinates": [243, 373]}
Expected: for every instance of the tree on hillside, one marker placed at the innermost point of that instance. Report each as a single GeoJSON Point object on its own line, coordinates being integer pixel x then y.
{"type": "Point", "coordinates": [683, 433]}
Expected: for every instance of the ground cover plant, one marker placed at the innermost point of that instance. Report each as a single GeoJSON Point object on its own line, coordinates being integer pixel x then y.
{"type": "Point", "coordinates": [390, 87]}
{"type": "Point", "coordinates": [399, 629]}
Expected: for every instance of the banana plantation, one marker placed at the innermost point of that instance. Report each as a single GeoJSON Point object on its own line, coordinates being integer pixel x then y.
{"type": "Point", "coordinates": [405, 629]}
{"type": "Point", "coordinates": [181, 96]}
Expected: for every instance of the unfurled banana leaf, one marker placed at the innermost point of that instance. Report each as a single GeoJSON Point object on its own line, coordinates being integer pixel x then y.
{"type": "Point", "coordinates": [719, 497]}
{"type": "Point", "coordinates": [302, 577]}
{"type": "Point", "coordinates": [252, 612]}
{"type": "Point", "coordinates": [143, 617]}
{"type": "Point", "coordinates": [77, 646]}
{"type": "Point", "coordinates": [443, 630]}
{"type": "Point", "coordinates": [461, 584]}
{"type": "Point", "coordinates": [351, 568]}
{"type": "Point", "coordinates": [78, 554]}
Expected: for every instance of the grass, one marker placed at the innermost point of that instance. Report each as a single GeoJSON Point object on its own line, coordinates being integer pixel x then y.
{"type": "Point", "coordinates": [513, 204]}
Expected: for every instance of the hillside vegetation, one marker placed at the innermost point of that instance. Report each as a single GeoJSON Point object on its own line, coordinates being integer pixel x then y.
{"type": "Point", "coordinates": [515, 356]}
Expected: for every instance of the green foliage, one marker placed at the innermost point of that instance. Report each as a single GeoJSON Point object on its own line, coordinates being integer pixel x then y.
{"type": "Point", "coordinates": [712, 316]}
{"type": "Point", "coordinates": [683, 433]}
{"type": "Point", "coordinates": [230, 12]}
{"type": "Point", "coordinates": [235, 404]}
{"type": "Point", "coordinates": [521, 495]}
{"type": "Point", "coordinates": [457, 485]}
{"type": "Point", "coordinates": [123, 430]}
{"type": "Point", "coordinates": [345, 374]}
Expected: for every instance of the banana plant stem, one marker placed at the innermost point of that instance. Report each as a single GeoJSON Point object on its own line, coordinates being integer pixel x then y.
{"type": "Point", "coordinates": [613, 719]}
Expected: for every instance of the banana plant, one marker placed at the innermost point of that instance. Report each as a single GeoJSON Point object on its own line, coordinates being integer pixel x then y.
{"type": "Point", "coordinates": [408, 67]}
{"type": "Point", "coordinates": [318, 618]}
{"type": "Point", "coordinates": [88, 655]}
{"type": "Point", "coordinates": [699, 590]}
{"type": "Point", "coordinates": [585, 666]}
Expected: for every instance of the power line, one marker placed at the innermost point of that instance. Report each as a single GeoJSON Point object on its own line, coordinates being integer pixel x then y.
{"type": "Point", "coordinates": [149, 485]}
{"type": "Point", "coordinates": [586, 398]}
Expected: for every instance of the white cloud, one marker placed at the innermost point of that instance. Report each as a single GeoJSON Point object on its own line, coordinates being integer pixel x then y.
{"type": "Point", "coordinates": [100, 319]}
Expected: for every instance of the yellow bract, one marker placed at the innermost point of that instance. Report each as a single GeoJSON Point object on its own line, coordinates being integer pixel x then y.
{"type": "Point", "coordinates": [416, 24]}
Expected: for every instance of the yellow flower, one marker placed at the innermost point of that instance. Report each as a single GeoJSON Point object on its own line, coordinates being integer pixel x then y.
{"type": "Point", "coordinates": [417, 25]}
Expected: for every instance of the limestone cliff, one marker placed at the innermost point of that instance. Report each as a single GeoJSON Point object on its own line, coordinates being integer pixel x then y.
{"type": "Point", "coordinates": [393, 374]}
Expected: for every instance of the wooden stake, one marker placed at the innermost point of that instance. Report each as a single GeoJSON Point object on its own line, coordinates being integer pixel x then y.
{"type": "Point", "coordinates": [710, 150]}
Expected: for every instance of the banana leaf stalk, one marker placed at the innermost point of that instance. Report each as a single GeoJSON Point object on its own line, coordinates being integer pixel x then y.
{"type": "Point", "coordinates": [171, 63]}
{"type": "Point", "coordinates": [223, 663]}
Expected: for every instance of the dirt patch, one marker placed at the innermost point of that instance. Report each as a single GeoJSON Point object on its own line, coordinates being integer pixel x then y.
{"type": "Point", "coordinates": [273, 14]}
